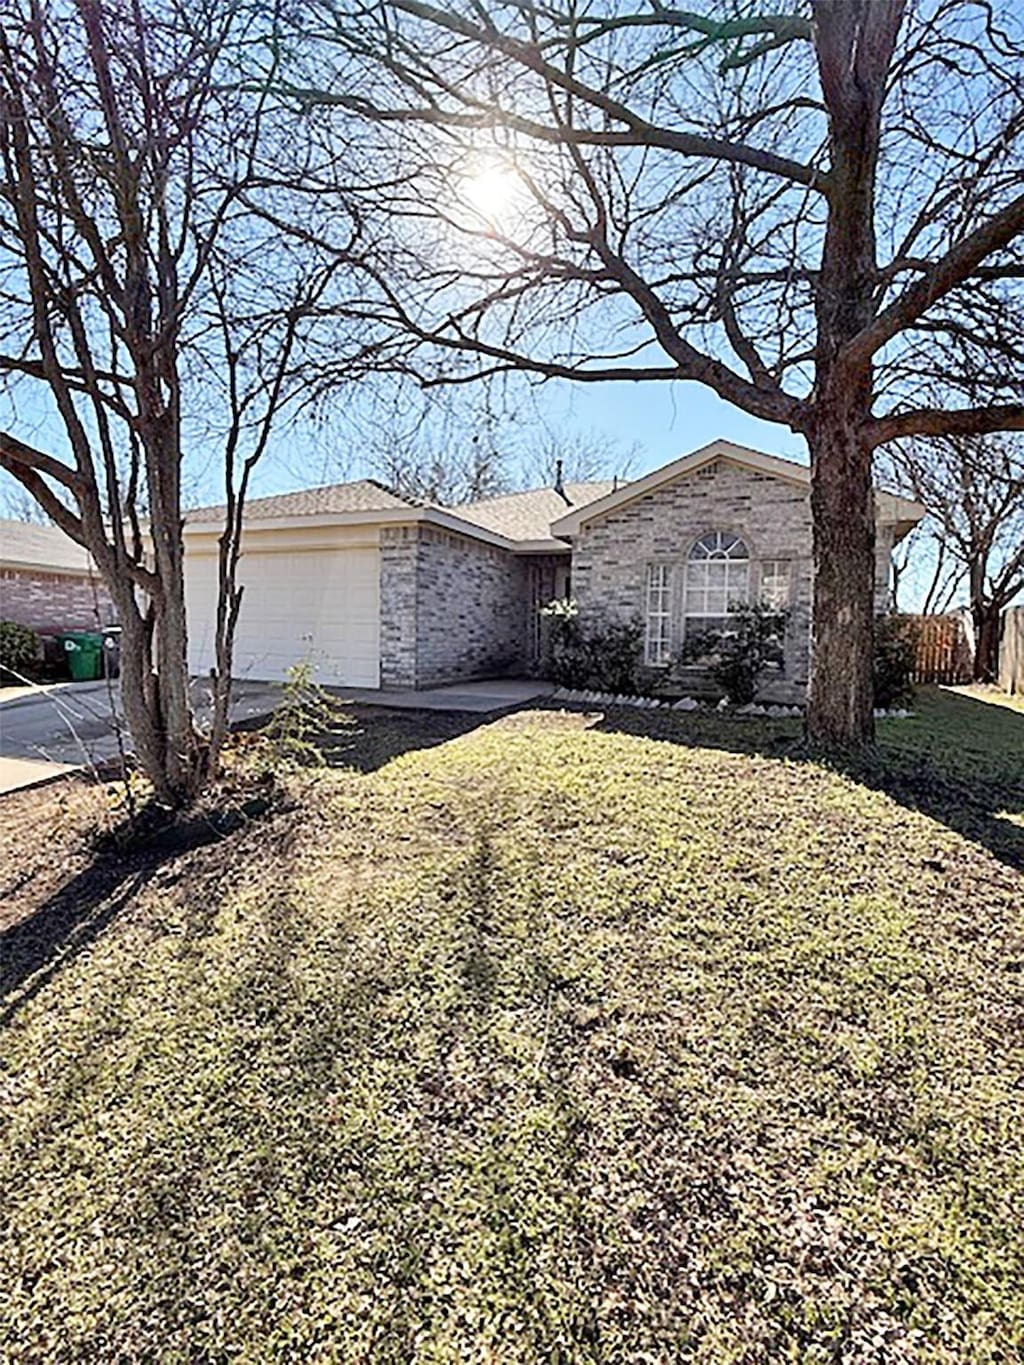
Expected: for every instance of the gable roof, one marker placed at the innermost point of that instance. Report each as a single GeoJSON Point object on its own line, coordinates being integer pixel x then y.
{"type": "Point", "coordinates": [892, 510]}
{"type": "Point", "coordinates": [24, 545]}
{"type": "Point", "coordinates": [527, 516]}
{"type": "Point", "coordinates": [512, 520]}
{"type": "Point", "coordinates": [361, 495]}
{"type": "Point", "coordinates": [537, 520]}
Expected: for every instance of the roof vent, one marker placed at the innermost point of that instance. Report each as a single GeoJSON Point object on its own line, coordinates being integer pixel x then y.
{"type": "Point", "coordinates": [559, 485]}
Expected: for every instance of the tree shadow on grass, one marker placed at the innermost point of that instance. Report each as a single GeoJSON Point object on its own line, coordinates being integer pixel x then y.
{"type": "Point", "coordinates": [35, 948]}
{"type": "Point", "coordinates": [365, 738]}
{"type": "Point", "coordinates": [960, 760]}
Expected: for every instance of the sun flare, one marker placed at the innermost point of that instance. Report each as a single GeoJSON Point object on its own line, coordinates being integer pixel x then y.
{"type": "Point", "coordinates": [491, 190]}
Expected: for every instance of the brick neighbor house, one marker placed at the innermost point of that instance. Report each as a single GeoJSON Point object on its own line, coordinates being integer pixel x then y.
{"type": "Point", "coordinates": [48, 582]}
{"type": "Point", "coordinates": [377, 591]}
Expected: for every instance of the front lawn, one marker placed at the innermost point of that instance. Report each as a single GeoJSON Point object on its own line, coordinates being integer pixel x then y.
{"type": "Point", "coordinates": [569, 1038]}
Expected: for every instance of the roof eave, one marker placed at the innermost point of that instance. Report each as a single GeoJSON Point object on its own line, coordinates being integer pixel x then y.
{"type": "Point", "coordinates": [39, 566]}
{"type": "Point", "coordinates": [899, 512]}
{"type": "Point", "coordinates": [380, 516]}
{"type": "Point", "coordinates": [719, 449]}
{"type": "Point", "coordinates": [547, 546]}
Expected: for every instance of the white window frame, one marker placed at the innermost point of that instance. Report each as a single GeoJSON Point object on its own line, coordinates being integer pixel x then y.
{"type": "Point", "coordinates": [714, 549]}
{"type": "Point", "coordinates": [658, 615]}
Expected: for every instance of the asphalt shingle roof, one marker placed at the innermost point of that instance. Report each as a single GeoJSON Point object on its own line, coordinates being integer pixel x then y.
{"type": "Point", "coordinates": [46, 548]}
{"type": "Point", "coordinates": [517, 516]}
{"type": "Point", "coordinates": [363, 495]}
{"type": "Point", "coordinates": [528, 516]}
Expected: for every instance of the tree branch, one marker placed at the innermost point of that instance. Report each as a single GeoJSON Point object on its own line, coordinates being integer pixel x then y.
{"type": "Point", "coordinates": [641, 132]}
{"type": "Point", "coordinates": [942, 276]}
{"type": "Point", "coordinates": [15, 455]}
{"type": "Point", "coordinates": [979, 421]}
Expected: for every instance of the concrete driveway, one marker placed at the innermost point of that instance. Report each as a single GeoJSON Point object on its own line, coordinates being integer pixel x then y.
{"type": "Point", "coordinates": [48, 731]}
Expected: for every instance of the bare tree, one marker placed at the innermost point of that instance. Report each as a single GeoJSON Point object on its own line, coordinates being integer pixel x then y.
{"type": "Point", "coordinates": [921, 565]}
{"type": "Point", "coordinates": [138, 291]}
{"type": "Point", "coordinates": [460, 454]}
{"type": "Point", "coordinates": [18, 505]}
{"type": "Point", "coordinates": [434, 450]}
{"type": "Point", "coordinates": [576, 457]}
{"type": "Point", "coordinates": [805, 211]}
{"type": "Point", "coordinates": [974, 488]}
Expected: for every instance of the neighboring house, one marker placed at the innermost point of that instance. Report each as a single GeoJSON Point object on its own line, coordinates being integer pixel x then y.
{"type": "Point", "coordinates": [49, 582]}
{"type": "Point", "coordinates": [377, 591]}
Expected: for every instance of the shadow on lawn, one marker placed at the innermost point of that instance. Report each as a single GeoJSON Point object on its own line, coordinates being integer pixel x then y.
{"type": "Point", "coordinates": [365, 738]}
{"type": "Point", "coordinates": [34, 949]}
{"type": "Point", "coordinates": [959, 761]}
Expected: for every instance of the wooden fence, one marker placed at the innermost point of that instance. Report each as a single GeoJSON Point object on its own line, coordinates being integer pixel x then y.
{"type": "Point", "coordinates": [1011, 651]}
{"type": "Point", "coordinates": [943, 651]}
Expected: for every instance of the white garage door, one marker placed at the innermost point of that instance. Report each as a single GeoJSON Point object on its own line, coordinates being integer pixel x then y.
{"type": "Point", "coordinates": [321, 605]}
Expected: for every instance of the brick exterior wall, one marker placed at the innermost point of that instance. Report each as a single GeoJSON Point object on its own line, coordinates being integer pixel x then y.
{"type": "Point", "coordinates": [772, 516]}
{"type": "Point", "coordinates": [451, 608]}
{"type": "Point", "coordinates": [399, 555]}
{"type": "Point", "coordinates": [50, 602]}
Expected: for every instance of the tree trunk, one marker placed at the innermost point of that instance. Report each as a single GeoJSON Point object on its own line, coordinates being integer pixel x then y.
{"type": "Point", "coordinates": [840, 712]}
{"type": "Point", "coordinates": [987, 629]}
{"type": "Point", "coordinates": [184, 760]}
{"type": "Point", "coordinates": [854, 44]}
{"type": "Point", "coordinates": [170, 752]}
{"type": "Point", "coordinates": [185, 767]}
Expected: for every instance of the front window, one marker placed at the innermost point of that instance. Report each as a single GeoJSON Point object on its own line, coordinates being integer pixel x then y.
{"type": "Point", "coordinates": [775, 584]}
{"type": "Point", "coordinates": [659, 614]}
{"type": "Point", "coordinates": [717, 576]}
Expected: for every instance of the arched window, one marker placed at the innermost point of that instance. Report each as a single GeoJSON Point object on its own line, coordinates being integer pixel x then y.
{"type": "Point", "coordinates": [717, 577]}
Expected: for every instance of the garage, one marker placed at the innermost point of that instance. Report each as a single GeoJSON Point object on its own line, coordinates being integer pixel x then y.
{"type": "Point", "coordinates": [301, 602]}
{"type": "Point", "coordinates": [365, 585]}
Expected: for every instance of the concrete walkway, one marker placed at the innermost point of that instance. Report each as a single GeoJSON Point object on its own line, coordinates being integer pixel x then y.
{"type": "Point", "coordinates": [17, 774]}
{"type": "Point", "coordinates": [495, 695]}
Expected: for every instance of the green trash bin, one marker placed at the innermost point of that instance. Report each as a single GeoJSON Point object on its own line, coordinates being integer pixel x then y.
{"type": "Point", "coordinates": [84, 652]}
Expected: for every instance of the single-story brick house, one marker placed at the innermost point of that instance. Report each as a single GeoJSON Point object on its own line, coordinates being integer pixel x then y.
{"type": "Point", "coordinates": [48, 582]}
{"type": "Point", "coordinates": [377, 591]}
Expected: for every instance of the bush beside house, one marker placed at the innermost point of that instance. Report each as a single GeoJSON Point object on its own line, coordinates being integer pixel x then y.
{"type": "Point", "coordinates": [605, 655]}
{"type": "Point", "coordinates": [737, 659]}
{"type": "Point", "coordinates": [20, 651]}
{"type": "Point", "coordinates": [895, 660]}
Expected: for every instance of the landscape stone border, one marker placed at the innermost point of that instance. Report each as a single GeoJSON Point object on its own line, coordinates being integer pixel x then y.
{"type": "Point", "coordinates": [753, 710]}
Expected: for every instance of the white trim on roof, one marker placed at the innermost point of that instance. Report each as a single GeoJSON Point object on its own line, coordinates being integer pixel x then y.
{"type": "Point", "coordinates": [903, 513]}
{"type": "Point", "coordinates": [53, 569]}
{"type": "Point", "coordinates": [550, 546]}
{"type": "Point", "coordinates": [893, 510]}
{"type": "Point", "coordinates": [378, 516]}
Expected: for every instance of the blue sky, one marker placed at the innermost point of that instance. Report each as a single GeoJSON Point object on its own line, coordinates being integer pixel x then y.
{"type": "Point", "coordinates": [669, 419]}
{"type": "Point", "coordinates": [664, 420]}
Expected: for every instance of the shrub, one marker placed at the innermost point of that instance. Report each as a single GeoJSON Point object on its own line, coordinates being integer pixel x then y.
{"type": "Point", "coordinates": [19, 648]}
{"type": "Point", "coordinates": [603, 655]}
{"type": "Point", "coordinates": [736, 658]}
{"type": "Point", "coordinates": [895, 659]}
{"type": "Point", "coordinates": [305, 714]}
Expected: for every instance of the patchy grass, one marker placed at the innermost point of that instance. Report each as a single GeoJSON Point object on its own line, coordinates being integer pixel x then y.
{"type": "Point", "coordinates": [557, 1041]}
